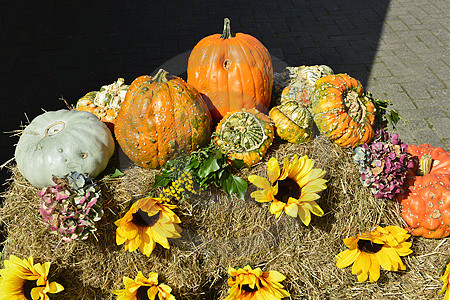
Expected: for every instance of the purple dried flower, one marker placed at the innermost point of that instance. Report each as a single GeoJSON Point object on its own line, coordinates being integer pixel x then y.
{"type": "Point", "coordinates": [383, 164]}
{"type": "Point", "coordinates": [72, 206]}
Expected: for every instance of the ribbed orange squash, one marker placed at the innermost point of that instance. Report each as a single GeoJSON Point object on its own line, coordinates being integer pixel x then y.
{"type": "Point", "coordinates": [160, 118]}
{"type": "Point", "coordinates": [232, 72]}
{"type": "Point", "coordinates": [343, 111]}
{"type": "Point", "coordinates": [426, 201]}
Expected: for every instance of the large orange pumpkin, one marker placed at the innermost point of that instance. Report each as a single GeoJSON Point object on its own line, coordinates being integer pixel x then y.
{"type": "Point", "coordinates": [425, 204]}
{"type": "Point", "coordinates": [232, 72]}
{"type": "Point", "coordinates": [160, 118]}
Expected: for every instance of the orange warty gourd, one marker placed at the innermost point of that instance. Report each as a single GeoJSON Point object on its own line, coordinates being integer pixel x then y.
{"type": "Point", "coordinates": [160, 118]}
{"type": "Point", "coordinates": [232, 72]}
{"type": "Point", "coordinates": [425, 204]}
{"type": "Point", "coordinates": [343, 111]}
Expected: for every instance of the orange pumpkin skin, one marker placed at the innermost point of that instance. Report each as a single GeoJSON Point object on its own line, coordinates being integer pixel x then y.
{"type": "Point", "coordinates": [231, 72]}
{"type": "Point", "coordinates": [425, 204]}
{"type": "Point", "coordinates": [160, 118]}
{"type": "Point", "coordinates": [343, 111]}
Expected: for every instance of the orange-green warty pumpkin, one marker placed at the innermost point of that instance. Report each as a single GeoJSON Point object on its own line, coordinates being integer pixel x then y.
{"type": "Point", "coordinates": [160, 118]}
{"type": "Point", "coordinates": [343, 111]}
{"type": "Point", "coordinates": [425, 204]}
{"type": "Point", "coordinates": [245, 135]}
{"type": "Point", "coordinates": [232, 72]}
{"type": "Point", "coordinates": [293, 122]}
{"type": "Point", "coordinates": [106, 102]}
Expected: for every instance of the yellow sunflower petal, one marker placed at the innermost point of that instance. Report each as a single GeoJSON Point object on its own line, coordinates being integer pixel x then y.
{"type": "Point", "coordinates": [308, 197]}
{"type": "Point", "coordinates": [274, 276]}
{"type": "Point", "coordinates": [259, 181]}
{"type": "Point", "coordinates": [277, 208]}
{"type": "Point", "coordinates": [286, 168]}
{"type": "Point", "coordinates": [55, 287]}
{"type": "Point", "coordinates": [384, 260]}
{"type": "Point", "coordinates": [305, 167]}
{"type": "Point", "coordinates": [273, 170]}
{"type": "Point", "coordinates": [363, 276]}
{"type": "Point", "coordinates": [147, 248]}
{"type": "Point", "coordinates": [313, 207]}
{"type": "Point", "coordinates": [158, 233]}
{"type": "Point", "coordinates": [304, 215]}
{"type": "Point", "coordinates": [262, 195]}
{"type": "Point", "coordinates": [313, 175]}
{"type": "Point", "coordinates": [37, 292]}
{"type": "Point", "coordinates": [374, 271]}
{"type": "Point", "coordinates": [291, 210]}
{"type": "Point", "coordinates": [314, 186]}
{"type": "Point", "coordinates": [360, 265]}
{"type": "Point", "coordinates": [346, 258]}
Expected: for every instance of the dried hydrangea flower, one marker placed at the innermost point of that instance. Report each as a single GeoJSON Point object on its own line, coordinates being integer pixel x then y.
{"type": "Point", "coordinates": [72, 206]}
{"type": "Point", "coordinates": [383, 164]}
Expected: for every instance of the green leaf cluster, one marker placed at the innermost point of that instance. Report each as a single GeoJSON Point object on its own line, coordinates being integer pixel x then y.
{"type": "Point", "coordinates": [208, 166]}
{"type": "Point", "coordinates": [383, 114]}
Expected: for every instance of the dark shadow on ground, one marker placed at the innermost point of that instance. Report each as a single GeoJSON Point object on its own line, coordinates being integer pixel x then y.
{"type": "Point", "coordinates": [54, 49]}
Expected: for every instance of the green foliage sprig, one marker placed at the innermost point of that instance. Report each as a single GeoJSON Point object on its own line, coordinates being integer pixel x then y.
{"type": "Point", "coordinates": [383, 114]}
{"type": "Point", "coordinates": [207, 166]}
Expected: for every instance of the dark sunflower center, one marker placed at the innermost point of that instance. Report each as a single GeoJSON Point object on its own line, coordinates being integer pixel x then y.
{"type": "Point", "coordinates": [142, 293]}
{"type": "Point", "coordinates": [28, 285]}
{"type": "Point", "coordinates": [369, 246]}
{"type": "Point", "coordinates": [247, 288]}
{"type": "Point", "coordinates": [288, 188]}
{"type": "Point", "coordinates": [141, 218]}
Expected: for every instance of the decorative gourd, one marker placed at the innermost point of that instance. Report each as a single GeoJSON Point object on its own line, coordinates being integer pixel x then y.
{"type": "Point", "coordinates": [233, 72]}
{"type": "Point", "coordinates": [105, 103]}
{"type": "Point", "coordinates": [160, 118]}
{"type": "Point", "coordinates": [301, 84]}
{"type": "Point", "coordinates": [293, 122]}
{"type": "Point", "coordinates": [245, 135]}
{"type": "Point", "coordinates": [426, 201]}
{"type": "Point", "coordinates": [343, 111]}
{"type": "Point", "coordinates": [60, 142]}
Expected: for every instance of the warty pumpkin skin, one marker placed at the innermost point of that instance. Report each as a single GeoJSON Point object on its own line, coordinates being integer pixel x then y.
{"type": "Point", "coordinates": [245, 135]}
{"type": "Point", "coordinates": [160, 118]}
{"type": "Point", "coordinates": [233, 72]}
{"type": "Point", "coordinates": [104, 103]}
{"type": "Point", "coordinates": [343, 111]}
{"type": "Point", "coordinates": [293, 122]}
{"type": "Point", "coordinates": [425, 204]}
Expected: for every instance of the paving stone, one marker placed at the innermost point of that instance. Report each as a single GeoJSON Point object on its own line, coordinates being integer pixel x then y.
{"type": "Point", "coordinates": [423, 113]}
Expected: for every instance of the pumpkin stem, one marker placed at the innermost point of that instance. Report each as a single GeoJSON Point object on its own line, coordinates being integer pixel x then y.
{"type": "Point", "coordinates": [226, 29]}
{"type": "Point", "coordinates": [425, 163]}
{"type": "Point", "coordinates": [160, 76]}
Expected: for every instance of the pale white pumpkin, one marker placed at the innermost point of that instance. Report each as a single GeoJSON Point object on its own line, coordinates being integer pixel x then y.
{"type": "Point", "coordinates": [60, 142]}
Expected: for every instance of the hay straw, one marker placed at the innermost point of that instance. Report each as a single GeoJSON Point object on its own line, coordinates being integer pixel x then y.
{"type": "Point", "coordinates": [219, 233]}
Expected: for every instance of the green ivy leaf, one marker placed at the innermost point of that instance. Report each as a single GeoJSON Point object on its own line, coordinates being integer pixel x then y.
{"type": "Point", "coordinates": [209, 166]}
{"type": "Point", "coordinates": [162, 180]}
{"type": "Point", "coordinates": [193, 164]}
{"type": "Point", "coordinates": [235, 185]}
{"type": "Point", "coordinates": [114, 173]}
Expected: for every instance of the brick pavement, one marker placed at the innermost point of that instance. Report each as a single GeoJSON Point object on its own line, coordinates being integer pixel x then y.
{"type": "Point", "coordinates": [398, 49]}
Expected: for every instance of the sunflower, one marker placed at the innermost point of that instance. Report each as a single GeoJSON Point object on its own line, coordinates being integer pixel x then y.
{"type": "Point", "coordinates": [142, 288]}
{"type": "Point", "coordinates": [293, 189]}
{"type": "Point", "coordinates": [147, 222]}
{"type": "Point", "coordinates": [446, 279]}
{"type": "Point", "coordinates": [255, 284]}
{"type": "Point", "coordinates": [25, 280]}
{"type": "Point", "coordinates": [370, 250]}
